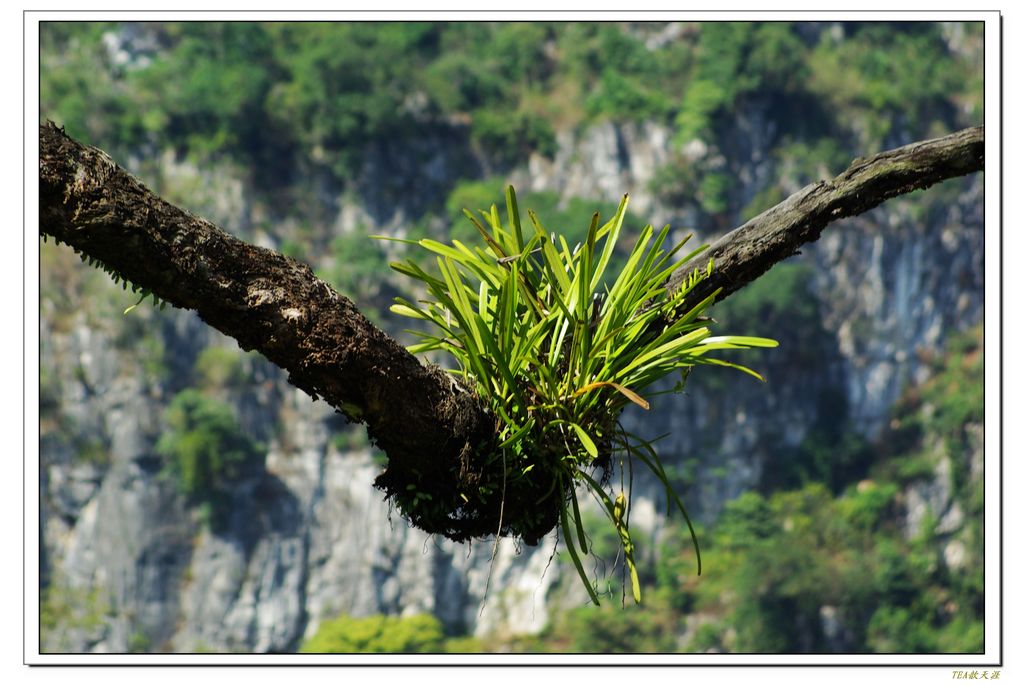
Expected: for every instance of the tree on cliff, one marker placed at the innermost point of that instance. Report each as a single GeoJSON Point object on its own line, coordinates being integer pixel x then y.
{"type": "Point", "coordinates": [439, 437]}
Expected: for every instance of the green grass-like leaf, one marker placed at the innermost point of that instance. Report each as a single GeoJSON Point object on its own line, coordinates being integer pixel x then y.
{"type": "Point", "coordinates": [557, 348]}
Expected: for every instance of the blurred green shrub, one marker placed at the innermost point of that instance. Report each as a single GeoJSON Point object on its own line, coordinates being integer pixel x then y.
{"type": "Point", "coordinates": [66, 610]}
{"type": "Point", "coordinates": [220, 368]}
{"type": "Point", "coordinates": [507, 138]}
{"type": "Point", "coordinates": [205, 450]}
{"type": "Point", "coordinates": [612, 630]}
{"type": "Point", "coordinates": [377, 634]}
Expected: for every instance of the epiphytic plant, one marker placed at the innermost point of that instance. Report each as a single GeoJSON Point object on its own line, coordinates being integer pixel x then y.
{"type": "Point", "coordinates": [558, 350]}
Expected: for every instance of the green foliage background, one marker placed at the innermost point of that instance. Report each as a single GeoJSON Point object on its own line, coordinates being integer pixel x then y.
{"type": "Point", "coordinates": [295, 107]}
{"type": "Point", "coordinates": [377, 634]}
{"type": "Point", "coordinates": [206, 452]}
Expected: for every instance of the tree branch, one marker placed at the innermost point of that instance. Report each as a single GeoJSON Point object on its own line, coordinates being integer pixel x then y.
{"type": "Point", "coordinates": [432, 429]}
{"type": "Point", "coordinates": [746, 253]}
{"type": "Point", "coordinates": [439, 437]}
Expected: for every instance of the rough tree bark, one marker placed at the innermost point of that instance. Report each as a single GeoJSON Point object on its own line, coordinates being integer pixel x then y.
{"type": "Point", "coordinates": [437, 434]}
{"type": "Point", "coordinates": [746, 253]}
